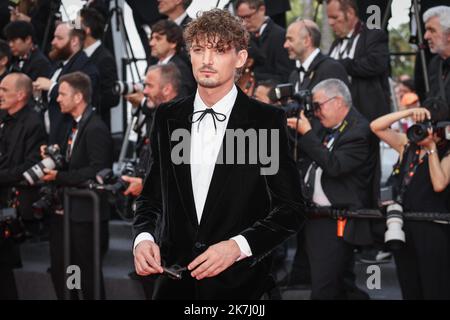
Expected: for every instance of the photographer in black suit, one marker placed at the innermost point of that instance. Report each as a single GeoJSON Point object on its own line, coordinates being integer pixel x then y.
{"type": "Point", "coordinates": [28, 58]}
{"type": "Point", "coordinates": [337, 168]}
{"type": "Point", "coordinates": [438, 37]}
{"type": "Point", "coordinates": [364, 53]}
{"type": "Point", "coordinates": [303, 45]}
{"type": "Point", "coordinates": [93, 25]}
{"type": "Point", "coordinates": [67, 53]}
{"type": "Point", "coordinates": [88, 149]}
{"type": "Point", "coordinates": [21, 133]}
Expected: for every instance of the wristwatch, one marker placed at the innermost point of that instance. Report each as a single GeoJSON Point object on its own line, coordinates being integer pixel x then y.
{"type": "Point", "coordinates": [429, 152]}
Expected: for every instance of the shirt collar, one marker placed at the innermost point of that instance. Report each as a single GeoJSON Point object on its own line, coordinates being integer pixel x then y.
{"type": "Point", "coordinates": [165, 60]}
{"type": "Point", "coordinates": [310, 59]}
{"type": "Point", "coordinates": [180, 18]}
{"type": "Point", "coordinates": [224, 105]}
{"type": "Point", "coordinates": [91, 49]}
{"type": "Point", "coordinates": [263, 26]}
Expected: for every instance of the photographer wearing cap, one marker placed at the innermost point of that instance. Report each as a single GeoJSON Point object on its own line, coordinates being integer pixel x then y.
{"type": "Point", "coordinates": [421, 180]}
{"type": "Point", "coordinates": [87, 151]}
{"type": "Point", "coordinates": [21, 133]}
{"type": "Point", "coordinates": [337, 165]}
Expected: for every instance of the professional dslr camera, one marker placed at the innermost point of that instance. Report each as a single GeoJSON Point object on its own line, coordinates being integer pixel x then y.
{"type": "Point", "coordinates": [114, 183]}
{"type": "Point", "coordinates": [124, 88]}
{"type": "Point", "coordinates": [54, 160]}
{"type": "Point", "coordinates": [293, 102]}
{"type": "Point", "coordinates": [50, 200]}
{"type": "Point", "coordinates": [439, 113]}
{"type": "Point", "coordinates": [394, 236]}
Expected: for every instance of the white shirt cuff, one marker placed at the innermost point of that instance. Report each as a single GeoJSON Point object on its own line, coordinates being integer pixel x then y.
{"type": "Point", "coordinates": [243, 246]}
{"type": "Point", "coordinates": [141, 237]}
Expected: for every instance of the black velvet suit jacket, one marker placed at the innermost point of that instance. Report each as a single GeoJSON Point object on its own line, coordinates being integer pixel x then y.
{"type": "Point", "coordinates": [92, 152]}
{"type": "Point", "coordinates": [266, 210]}
{"type": "Point", "coordinates": [188, 84]}
{"type": "Point", "coordinates": [369, 71]}
{"type": "Point", "coordinates": [59, 122]}
{"type": "Point", "coordinates": [348, 169]}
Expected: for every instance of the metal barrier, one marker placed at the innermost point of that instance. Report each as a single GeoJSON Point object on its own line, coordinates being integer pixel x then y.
{"type": "Point", "coordinates": [86, 193]}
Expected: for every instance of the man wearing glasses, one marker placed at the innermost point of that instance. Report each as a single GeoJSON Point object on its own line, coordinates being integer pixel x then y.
{"type": "Point", "coordinates": [338, 165]}
{"type": "Point", "coordinates": [266, 42]}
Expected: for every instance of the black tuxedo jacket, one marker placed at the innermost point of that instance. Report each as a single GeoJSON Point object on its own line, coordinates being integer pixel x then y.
{"type": "Point", "coordinates": [59, 122]}
{"type": "Point", "coordinates": [271, 59]}
{"type": "Point", "coordinates": [435, 71]}
{"type": "Point", "coordinates": [92, 152]}
{"type": "Point", "coordinates": [348, 169]}
{"type": "Point", "coordinates": [107, 71]}
{"type": "Point", "coordinates": [322, 68]}
{"type": "Point", "coordinates": [369, 71]}
{"type": "Point", "coordinates": [266, 210]}
{"type": "Point", "coordinates": [37, 65]}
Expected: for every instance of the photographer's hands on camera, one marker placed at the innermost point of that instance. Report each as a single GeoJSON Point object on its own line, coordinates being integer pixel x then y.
{"type": "Point", "coordinates": [50, 175]}
{"type": "Point", "coordinates": [301, 124]}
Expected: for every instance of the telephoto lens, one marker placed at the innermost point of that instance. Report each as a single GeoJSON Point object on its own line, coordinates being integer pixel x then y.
{"type": "Point", "coordinates": [36, 172]}
{"type": "Point", "coordinates": [394, 236]}
{"type": "Point", "coordinates": [124, 88]}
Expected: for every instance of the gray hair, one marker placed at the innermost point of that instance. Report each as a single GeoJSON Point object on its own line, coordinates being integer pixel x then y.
{"type": "Point", "coordinates": [334, 88]}
{"type": "Point", "coordinates": [443, 13]}
{"type": "Point", "coordinates": [312, 29]}
{"type": "Point", "coordinates": [169, 74]}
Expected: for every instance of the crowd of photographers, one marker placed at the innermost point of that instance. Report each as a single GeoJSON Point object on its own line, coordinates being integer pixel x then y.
{"type": "Point", "coordinates": [54, 133]}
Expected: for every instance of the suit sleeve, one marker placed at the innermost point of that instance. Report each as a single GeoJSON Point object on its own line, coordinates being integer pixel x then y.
{"type": "Point", "coordinates": [345, 158]}
{"type": "Point", "coordinates": [149, 203]}
{"type": "Point", "coordinates": [108, 78]}
{"type": "Point", "coordinates": [375, 59]}
{"type": "Point", "coordinates": [99, 152]}
{"type": "Point", "coordinates": [287, 213]}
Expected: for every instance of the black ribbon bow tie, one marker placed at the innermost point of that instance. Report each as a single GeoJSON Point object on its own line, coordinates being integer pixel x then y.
{"type": "Point", "coordinates": [300, 69]}
{"type": "Point", "coordinates": [215, 116]}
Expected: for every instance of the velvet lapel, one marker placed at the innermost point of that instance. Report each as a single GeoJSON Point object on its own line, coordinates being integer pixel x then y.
{"type": "Point", "coordinates": [179, 119]}
{"type": "Point", "coordinates": [239, 119]}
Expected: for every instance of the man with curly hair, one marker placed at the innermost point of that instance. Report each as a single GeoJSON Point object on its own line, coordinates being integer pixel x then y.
{"type": "Point", "coordinates": [205, 226]}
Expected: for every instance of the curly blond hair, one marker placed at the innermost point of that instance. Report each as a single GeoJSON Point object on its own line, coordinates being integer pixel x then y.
{"type": "Point", "coordinates": [219, 29]}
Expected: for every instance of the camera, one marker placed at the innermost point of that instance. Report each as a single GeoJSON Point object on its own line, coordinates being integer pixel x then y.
{"type": "Point", "coordinates": [48, 201]}
{"type": "Point", "coordinates": [124, 88]}
{"type": "Point", "coordinates": [111, 182]}
{"type": "Point", "coordinates": [419, 131]}
{"type": "Point", "coordinates": [54, 160]}
{"type": "Point", "coordinates": [11, 226]}
{"type": "Point", "coordinates": [394, 237]}
{"type": "Point", "coordinates": [439, 113]}
{"type": "Point", "coordinates": [301, 100]}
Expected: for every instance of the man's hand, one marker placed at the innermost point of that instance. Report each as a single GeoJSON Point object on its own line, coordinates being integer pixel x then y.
{"type": "Point", "coordinates": [147, 259]}
{"type": "Point", "coordinates": [302, 126]}
{"type": "Point", "coordinates": [135, 98]}
{"type": "Point", "coordinates": [216, 259]}
{"type": "Point", "coordinates": [50, 175]}
{"type": "Point", "coordinates": [42, 151]}
{"type": "Point", "coordinates": [135, 187]}
{"type": "Point", "coordinates": [42, 83]}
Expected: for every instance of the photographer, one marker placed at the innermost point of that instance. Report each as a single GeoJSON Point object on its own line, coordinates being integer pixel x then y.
{"type": "Point", "coordinates": [422, 183]}
{"type": "Point", "coordinates": [21, 133]}
{"type": "Point", "coordinates": [437, 35]}
{"type": "Point", "coordinates": [162, 84]}
{"type": "Point", "coordinates": [337, 171]}
{"type": "Point", "coordinates": [88, 150]}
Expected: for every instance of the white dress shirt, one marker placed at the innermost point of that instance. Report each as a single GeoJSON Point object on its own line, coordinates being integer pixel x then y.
{"type": "Point", "coordinates": [180, 18]}
{"type": "Point", "coordinates": [206, 142]}
{"type": "Point", "coordinates": [91, 49]}
{"type": "Point", "coordinates": [342, 52]}
{"type": "Point", "coordinates": [306, 66]}
{"type": "Point", "coordinates": [165, 60]}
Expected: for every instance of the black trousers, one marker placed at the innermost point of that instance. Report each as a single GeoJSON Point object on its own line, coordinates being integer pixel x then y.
{"type": "Point", "coordinates": [8, 290]}
{"type": "Point", "coordinates": [329, 258]}
{"type": "Point", "coordinates": [82, 253]}
{"type": "Point", "coordinates": [423, 264]}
